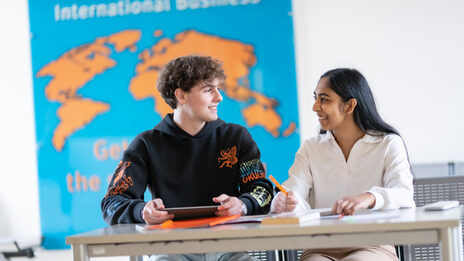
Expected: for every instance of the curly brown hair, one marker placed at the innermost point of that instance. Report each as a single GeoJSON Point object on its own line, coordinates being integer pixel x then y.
{"type": "Point", "coordinates": [185, 72]}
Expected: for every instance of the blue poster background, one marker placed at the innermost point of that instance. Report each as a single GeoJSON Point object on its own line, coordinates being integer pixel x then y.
{"type": "Point", "coordinates": [78, 149]}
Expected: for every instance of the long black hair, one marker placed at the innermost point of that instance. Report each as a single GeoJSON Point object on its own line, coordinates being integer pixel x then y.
{"type": "Point", "coordinates": [350, 83]}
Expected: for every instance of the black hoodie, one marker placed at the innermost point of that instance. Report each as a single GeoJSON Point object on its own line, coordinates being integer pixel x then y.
{"type": "Point", "coordinates": [185, 170]}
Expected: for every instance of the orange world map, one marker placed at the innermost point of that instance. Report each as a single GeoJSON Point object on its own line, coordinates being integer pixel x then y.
{"type": "Point", "coordinates": [75, 68]}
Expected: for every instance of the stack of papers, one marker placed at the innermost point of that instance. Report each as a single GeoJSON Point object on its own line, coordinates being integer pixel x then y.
{"type": "Point", "coordinates": [291, 218]}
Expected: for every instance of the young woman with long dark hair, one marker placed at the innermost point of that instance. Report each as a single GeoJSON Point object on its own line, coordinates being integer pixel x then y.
{"type": "Point", "coordinates": [357, 161]}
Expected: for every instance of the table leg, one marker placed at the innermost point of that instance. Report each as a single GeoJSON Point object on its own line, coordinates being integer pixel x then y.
{"type": "Point", "coordinates": [80, 253]}
{"type": "Point", "coordinates": [451, 244]}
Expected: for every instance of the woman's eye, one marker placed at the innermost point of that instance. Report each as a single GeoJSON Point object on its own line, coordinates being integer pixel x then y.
{"type": "Point", "coordinates": [323, 99]}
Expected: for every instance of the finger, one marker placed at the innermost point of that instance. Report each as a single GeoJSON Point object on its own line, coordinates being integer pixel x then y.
{"type": "Point", "coordinates": [336, 206]}
{"type": "Point", "coordinates": [158, 203]}
{"type": "Point", "coordinates": [348, 209]}
{"type": "Point", "coordinates": [281, 196]}
{"type": "Point", "coordinates": [234, 210]}
{"type": "Point", "coordinates": [152, 216]}
{"type": "Point", "coordinates": [151, 211]}
{"type": "Point", "coordinates": [291, 205]}
{"type": "Point", "coordinates": [290, 208]}
{"type": "Point", "coordinates": [158, 220]}
{"type": "Point", "coordinates": [221, 198]}
{"type": "Point", "coordinates": [291, 194]}
{"type": "Point", "coordinates": [291, 200]}
{"type": "Point", "coordinates": [230, 203]}
{"type": "Point", "coordinates": [340, 205]}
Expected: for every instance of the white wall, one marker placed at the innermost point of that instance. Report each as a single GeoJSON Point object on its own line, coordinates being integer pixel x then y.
{"type": "Point", "coordinates": [19, 210]}
{"type": "Point", "coordinates": [410, 52]}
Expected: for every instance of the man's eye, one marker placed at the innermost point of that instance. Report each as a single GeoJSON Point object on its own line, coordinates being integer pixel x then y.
{"type": "Point", "coordinates": [323, 99]}
{"type": "Point", "coordinates": [314, 97]}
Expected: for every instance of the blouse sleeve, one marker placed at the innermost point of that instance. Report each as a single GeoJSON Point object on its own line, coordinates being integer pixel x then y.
{"type": "Point", "coordinates": [299, 178]}
{"type": "Point", "coordinates": [397, 191]}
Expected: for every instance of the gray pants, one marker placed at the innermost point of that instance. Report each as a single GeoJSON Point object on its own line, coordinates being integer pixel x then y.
{"type": "Point", "coordinates": [237, 256]}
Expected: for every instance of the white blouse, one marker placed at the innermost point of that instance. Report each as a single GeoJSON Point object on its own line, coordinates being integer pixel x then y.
{"type": "Point", "coordinates": [320, 174]}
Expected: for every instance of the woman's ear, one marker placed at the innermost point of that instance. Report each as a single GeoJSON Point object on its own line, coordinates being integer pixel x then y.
{"type": "Point", "coordinates": [180, 95]}
{"type": "Point", "coordinates": [351, 105]}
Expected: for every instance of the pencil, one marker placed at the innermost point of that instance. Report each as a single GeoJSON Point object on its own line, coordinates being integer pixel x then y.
{"type": "Point", "coordinates": [277, 184]}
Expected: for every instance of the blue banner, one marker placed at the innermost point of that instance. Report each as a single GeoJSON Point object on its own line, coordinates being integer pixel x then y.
{"type": "Point", "coordinates": [95, 65]}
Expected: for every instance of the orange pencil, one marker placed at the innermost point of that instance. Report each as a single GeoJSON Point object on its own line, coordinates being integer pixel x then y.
{"type": "Point", "coordinates": [277, 184]}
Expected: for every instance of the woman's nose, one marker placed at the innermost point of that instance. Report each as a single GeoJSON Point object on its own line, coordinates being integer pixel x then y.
{"type": "Point", "coordinates": [316, 106]}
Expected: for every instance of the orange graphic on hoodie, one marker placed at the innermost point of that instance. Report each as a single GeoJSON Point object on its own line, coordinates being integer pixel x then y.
{"type": "Point", "coordinates": [121, 182]}
{"type": "Point", "coordinates": [229, 157]}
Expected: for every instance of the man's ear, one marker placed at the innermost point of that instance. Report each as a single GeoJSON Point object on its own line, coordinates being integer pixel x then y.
{"type": "Point", "coordinates": [351, 105]}
{"type": "Point", "coordinates": [180, 95]}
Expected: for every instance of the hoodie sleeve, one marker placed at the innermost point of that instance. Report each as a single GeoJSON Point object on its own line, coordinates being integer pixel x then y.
{"type": "Point", "coordinates": [255, 189]}
{"type": "Point", "coordinates": [124, 200]}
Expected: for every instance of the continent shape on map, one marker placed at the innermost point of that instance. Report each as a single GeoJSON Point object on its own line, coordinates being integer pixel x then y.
{"type": "Point", "coordinates": [73, 70]}
{"type": "Point", "coordinates": [237, 59]}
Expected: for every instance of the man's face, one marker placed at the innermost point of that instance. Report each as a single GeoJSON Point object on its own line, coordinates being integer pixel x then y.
{"type": "Point", "coordinates": [202, 100]}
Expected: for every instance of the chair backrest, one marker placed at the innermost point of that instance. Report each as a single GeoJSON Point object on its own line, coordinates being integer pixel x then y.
{"type": "Point", "coordinates": [429, 190]}
{"type": "Point", "coordinates": [264, 255]}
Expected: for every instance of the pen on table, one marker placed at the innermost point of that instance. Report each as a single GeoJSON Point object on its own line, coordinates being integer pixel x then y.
{"type": "Point", "coordinates": [277, 184]}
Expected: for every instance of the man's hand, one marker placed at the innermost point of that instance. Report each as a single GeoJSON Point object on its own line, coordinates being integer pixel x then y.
{"type": "Point", "coordinates": [152, 212]}
{"type": "Point", "coordinates": [283, 203]}
{"type": "Point", "coordinates": [349, 205]}
{"type": "Point", "coordinates": [229, 205]}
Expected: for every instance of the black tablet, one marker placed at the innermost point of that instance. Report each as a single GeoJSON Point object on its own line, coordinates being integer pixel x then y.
{"type": "Point", "coordinates": [192, 212]}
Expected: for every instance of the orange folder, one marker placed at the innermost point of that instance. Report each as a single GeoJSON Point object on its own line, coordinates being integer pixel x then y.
{"type": "Point", "coordinates": [197, 222]}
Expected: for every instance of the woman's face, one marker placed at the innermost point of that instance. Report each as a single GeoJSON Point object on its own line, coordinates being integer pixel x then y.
{"type": "Point", "coordinates": [329, 107]}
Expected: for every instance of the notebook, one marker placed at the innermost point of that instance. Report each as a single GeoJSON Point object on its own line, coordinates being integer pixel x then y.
{"type": "Point", "coordinates": [291, 218]}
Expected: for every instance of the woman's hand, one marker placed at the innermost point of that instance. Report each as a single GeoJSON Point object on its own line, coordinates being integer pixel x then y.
{"type": "Point", "coordinates": [349, 205]}
{"type": "Point", "coordinates": [153, 212]}
{"type": "Point", "coordinates": [283, 203]}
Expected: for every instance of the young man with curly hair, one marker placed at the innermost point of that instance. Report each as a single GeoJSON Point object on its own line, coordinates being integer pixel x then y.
{"type": "Point", "coordinates": [191, 158]}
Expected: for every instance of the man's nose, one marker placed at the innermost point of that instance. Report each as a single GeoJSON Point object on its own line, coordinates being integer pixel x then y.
{"type": "Point", "coordinates": [218, 96]}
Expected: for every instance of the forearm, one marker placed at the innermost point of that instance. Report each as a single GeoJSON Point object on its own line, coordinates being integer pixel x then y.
{"type": "Point", "coordinates": [119, 210]}
{"type": "Point", "coordinates": [258, 197]}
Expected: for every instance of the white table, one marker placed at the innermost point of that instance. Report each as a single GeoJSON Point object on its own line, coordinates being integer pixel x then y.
{"type": "Point", "coordinates": [411, 226]}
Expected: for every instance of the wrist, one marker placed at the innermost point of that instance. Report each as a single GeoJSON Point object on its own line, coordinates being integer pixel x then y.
{"type": "Point", "coordinates": [244, 209]}
{"type": "Point", "coordinates": [372, 199]}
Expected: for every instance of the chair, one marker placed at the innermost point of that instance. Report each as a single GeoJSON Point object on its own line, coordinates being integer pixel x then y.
{"type": "Point", "coordinates": [429, 190]}
{"type": "Point", "coordinates": [271, 255]}
{"type": "Point", "coordinates": [293, 255]}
